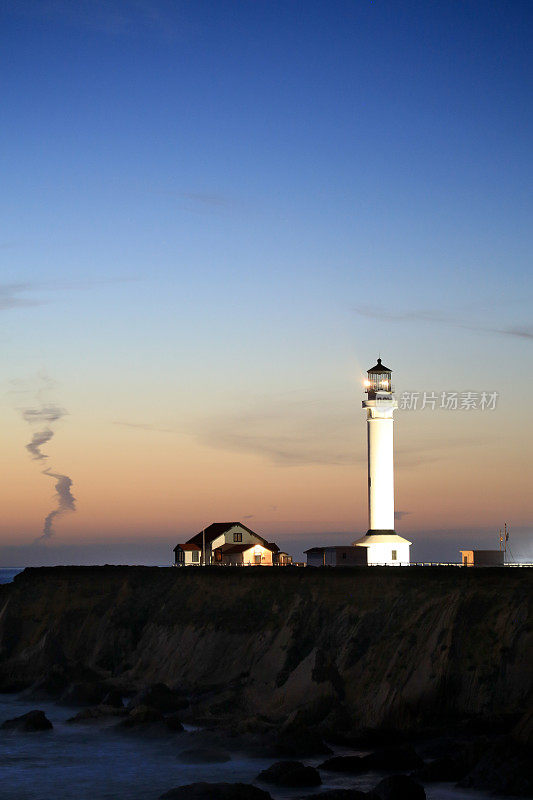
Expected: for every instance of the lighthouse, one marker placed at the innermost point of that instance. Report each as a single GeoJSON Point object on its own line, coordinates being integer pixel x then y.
{"type": "Point", "coordinates": [383, 544]}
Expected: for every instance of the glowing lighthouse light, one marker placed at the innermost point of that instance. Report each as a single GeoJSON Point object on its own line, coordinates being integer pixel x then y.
{"type": "Point", "coordinates": [383, 543]}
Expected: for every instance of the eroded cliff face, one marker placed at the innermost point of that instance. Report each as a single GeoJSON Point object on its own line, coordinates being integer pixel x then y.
{"type": "Point", "coordinates": [383, 646]}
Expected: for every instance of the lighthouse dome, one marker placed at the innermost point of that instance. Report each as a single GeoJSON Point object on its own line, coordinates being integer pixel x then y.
{"type": "Point", "coordinates": [379, 368]}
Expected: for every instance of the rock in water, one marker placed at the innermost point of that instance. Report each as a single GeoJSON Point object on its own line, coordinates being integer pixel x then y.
{"type": "Point", "coordinates": [159, 696]}
{"type": "Point", "coordinates": [352, 765]}
{"type": "Point", "coordinates": [174, 723]}
{"type": "Point", "coordinates": [445, 768]}
{"type": "Point", "coordinates": [290, 773]}
{"type": "Point", "coordinates": [113, 698]}
{"type": "Point", "coordinates": [216, 791]}
{"type": "Point", "coordinates": [399, 787]}
{"type": "Point", "coordinates": [342, 794]}
{"type": "Point", "coordinates": [32, 721]}
{"type": "Point", "coordinates": [97, 713]}
{"type": "Point", "coordinates": [403, 757]}
{"type": "Point", "coordinates": [142, 715]}
{"type": "Point", "coordinates": [204, 755]}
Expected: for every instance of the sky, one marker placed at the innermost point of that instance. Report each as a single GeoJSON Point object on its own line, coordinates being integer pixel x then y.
{"type": "Point", "coordinates": [214, 217]}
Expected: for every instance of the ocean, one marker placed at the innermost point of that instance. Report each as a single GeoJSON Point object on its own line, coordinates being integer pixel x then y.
{"type": "Point", "coordinates": [98, 762]}
{"type": "Point", "coordinates": [8, 573]}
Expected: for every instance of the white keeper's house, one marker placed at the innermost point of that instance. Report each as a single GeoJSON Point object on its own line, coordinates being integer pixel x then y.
{"type": "Point", "coordinates": [228, 543]}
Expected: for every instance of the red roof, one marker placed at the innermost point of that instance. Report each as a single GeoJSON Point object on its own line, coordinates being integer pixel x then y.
{"type": "Point", "coordinates": [187, 546]}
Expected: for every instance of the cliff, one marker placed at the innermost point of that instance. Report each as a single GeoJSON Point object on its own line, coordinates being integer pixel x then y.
{"type": "Point", "coordinates": [392, 647]}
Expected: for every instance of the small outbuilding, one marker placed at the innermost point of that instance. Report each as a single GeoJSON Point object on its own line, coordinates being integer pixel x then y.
{"type": "Point", "coordinates": [482, 558]}
{"type": "Point", "coordinates": [336, 556]}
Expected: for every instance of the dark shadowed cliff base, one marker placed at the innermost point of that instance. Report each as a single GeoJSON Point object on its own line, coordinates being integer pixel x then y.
{"type": "Point", "coordinates": [300, 654]}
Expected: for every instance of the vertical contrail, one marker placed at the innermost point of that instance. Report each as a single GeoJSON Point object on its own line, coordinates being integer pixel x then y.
{"type": "Point", "coordinates": [65, 502]}
{"type": "Point", "coordinates": [49, 414]}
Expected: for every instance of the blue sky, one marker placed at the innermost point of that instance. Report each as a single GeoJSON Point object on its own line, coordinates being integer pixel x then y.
{"type": "Point", "coordinates": [207, 203]}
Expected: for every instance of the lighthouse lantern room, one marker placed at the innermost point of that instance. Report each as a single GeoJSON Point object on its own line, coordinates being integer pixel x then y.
{"type": "Point", "coordinates": [383, 543]}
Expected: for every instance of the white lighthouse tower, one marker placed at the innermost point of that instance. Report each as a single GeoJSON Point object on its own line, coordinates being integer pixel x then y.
{"type": "Point", "coordinates": [383, 543]}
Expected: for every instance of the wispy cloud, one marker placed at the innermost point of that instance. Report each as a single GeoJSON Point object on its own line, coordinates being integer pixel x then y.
{"type": "Point", "coordinates": [401, 514]}
{"type": "Point", "coordinates": [37, 441]}
{"type": "Point", "coordinates": [17, 295]}
{"type": "Point", "coordinates": [65, 502]}
{"type": "Point", "coordinates": [12, 295]}
{"type": "Point", "coordinates": [143, 426]}
{"type": "Point", "coordinates": [306, 433]}
{"type": "Point", "coordinates": [49, 413]}
{"type": "Point", "coordinates": [437, 317]}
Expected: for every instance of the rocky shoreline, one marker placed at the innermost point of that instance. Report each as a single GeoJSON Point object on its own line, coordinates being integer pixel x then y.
{"type": "Point", "coordinates": [444, 655]}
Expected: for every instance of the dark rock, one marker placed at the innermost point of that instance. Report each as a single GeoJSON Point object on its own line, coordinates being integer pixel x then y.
{"type": "Point", "coordinates": [341, 794]}
{"type": "Point", "coordinates": [299, 743]}
{"type": "Point", "coordinates": [51, 685]}
{"type": "Point", "coordinates": [32, 721]}
{"type": "Point", "coordinates": [159, 696]}
{"type": "Point", "coordinates": [113, 698]}
{"type": "Point", "coordinates": [216, 791]}
{"type": "Point", "coordinates": [142, 715]}
{"type": "Point", "coordinates": [445, 768]}
{"type": "Point", "coordinates": [290, 773]}
{"type": "Point", "coordinates": [174, 723]}
{"type": "Point", "coordinates": [83, 693]}
{"type": "Point", "coordinates": [353, 765]}
{"type": "Point", "coordinates": [204, 755]}
{"type": "Point", "coordinates": [506, 767]}
{"type": "Point", "coordinates": [367, 738]}
{"type": "Point", "coordinates": [10, 685]}
{"type": "Point", "coordinates": [94, 713]}
{"type": "Point", "coordinates": [402, 757]}
{"type": "Point", "coordinates": [399, 787]}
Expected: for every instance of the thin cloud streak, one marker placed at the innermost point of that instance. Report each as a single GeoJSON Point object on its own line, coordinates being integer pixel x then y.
{"type": "Point", "coordinates": [143, 426]}
{"type": "Point", "coordinates": [523, 332]}
{"type": "Point", "coordinates": [301, 434]}
{"type": "Point", "coordinates": [65, 502]}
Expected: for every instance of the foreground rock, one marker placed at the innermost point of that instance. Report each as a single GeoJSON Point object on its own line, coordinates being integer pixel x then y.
{"type": "Point", "coordinates": [351, 765]}
{"type": "Point", "coordinates": [290, 773]}
{"type": "Point", "coordinates": [97, 713]}
{"type": "Point", "coordinates": [204, 755]}
{"type": "Point", "coordinates": [403, 757]}
{"type": "Point", "coordinates": [342, 794]}
{"type": "Point", "coordinates": [216, 791]}
{"type": "Point", "coordinates": [506, 767]}
{"type": "Point", "coordinates": [445, 769]}
{"type": "Point", "coordinates": [158, 696]}
{"type": "Point", "coordinates": [83, 693]}
{"type": "Point", "coordinates": [142, 715]}
{"type": "Point", "coordinates": [299, 744]}
{"type": "Point", "coordinates": [399, 787]}
{"type": "Point", "coordinates": [28, 723]}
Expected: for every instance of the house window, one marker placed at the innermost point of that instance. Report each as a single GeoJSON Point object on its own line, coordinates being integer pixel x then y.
{"type": "Point", "coordinates": [180, 556]}
{"type": "Point", "coordinates": [195, 556]}
{"type": "Point", "coordinates": [394, 555]}
{"type": "Point", "coordinates": [237, 536]}
{"type": "Point", "coordinates": [258, 558]}
{"type": "Point", "coordinates": [344, 556]}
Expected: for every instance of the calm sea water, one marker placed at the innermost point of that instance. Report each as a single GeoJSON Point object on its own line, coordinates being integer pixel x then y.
{"type": "Point", "coordinates": [8, 573]}
{"type": "Point", "coordinates": [96, 762]}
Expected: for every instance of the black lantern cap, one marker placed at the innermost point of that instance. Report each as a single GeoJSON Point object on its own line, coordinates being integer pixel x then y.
{"type": "Point", "coordinates": [379, 368]}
